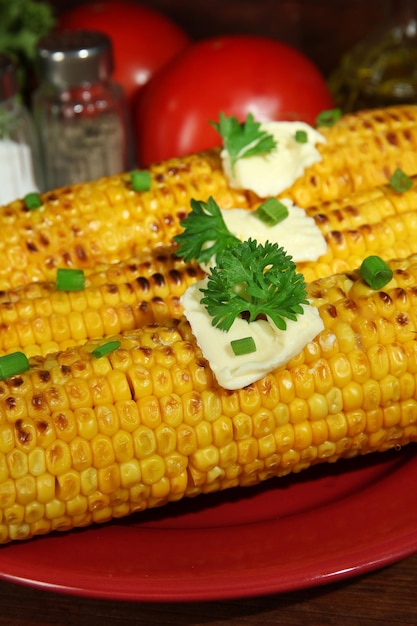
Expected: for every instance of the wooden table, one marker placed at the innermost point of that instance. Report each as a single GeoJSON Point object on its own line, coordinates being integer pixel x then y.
{"type": "Point", "coordinates": [384, 597]}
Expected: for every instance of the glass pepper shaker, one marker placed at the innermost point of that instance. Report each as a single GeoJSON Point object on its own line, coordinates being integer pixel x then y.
{"type": "Point", "coordinates": [80, 113]}
{"type": "Point", "coordinates": [20, 167]}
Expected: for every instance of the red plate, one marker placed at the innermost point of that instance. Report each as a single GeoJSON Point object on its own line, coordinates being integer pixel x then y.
{"type": "Point", "coordinates": [328, 523]}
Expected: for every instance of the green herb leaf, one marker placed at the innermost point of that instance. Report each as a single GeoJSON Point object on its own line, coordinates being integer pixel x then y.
{"type": "Point", "coordinates": [106, 348]}
{"type": "Point", "coordinates": [328, 118]}
{"type": "Point", "coordinates": [301, 136]}
{"type": "Point", "coordinates": [243, 140]}
{"type": "Point", "coordinates": [271, 212]}
{"type": "Point", "coordinates": [400, 182]}
{"type": "Point", "coordinates": [12, 364]}
{"type": "Point", "coordinates": [253, 280]}
{"type": "Point", "coordinates": [69, 279]}
{"type": "Point", "coordinates": [375, 272]}
{"type": "Point", "coordinates": [141, 180]}
{"type": "Point", "coordinates": [205, 232]}
{"type": "Point", "coordinates": [246, 345]}
{"type": "Point", "coordinates": [32, 201]}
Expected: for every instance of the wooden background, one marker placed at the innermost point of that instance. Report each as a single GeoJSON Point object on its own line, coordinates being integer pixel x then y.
{"type": "Point", "coordinates": [323, 29]}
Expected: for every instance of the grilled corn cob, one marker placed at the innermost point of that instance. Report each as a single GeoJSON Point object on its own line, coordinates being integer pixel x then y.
{"type": "Point", "coordinates": [362, 150]}
{"type": "Point", "coordinates": [38, 319]}
{"type": "Point", "coordinates": [86, 439]}
{"type": "Point", "coordinates": [105, 221]}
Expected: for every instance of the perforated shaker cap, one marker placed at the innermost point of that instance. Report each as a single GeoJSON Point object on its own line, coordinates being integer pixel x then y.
{"type": "Point", "coordinates": [73, 57]}
{"type": "Point", "coordinates": [8, 79]}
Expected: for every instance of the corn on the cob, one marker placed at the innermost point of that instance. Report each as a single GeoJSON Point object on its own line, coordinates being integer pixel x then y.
{"type": "Point", "coordinates": [86, 439]}
{"type": "Point", "coordinates": [105, 221]}
{"type": "Point", "coordinates": [362, 150]}
{"type": "Point", "coordinates": [38, 319]}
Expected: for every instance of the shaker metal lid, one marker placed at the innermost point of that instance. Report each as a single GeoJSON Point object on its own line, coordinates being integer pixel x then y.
{"type": "Point", "coordinates": [72, 57]}
{"type": "Point", "coordinates": [8, 78]}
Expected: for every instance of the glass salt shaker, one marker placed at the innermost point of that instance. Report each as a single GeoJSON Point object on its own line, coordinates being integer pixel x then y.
{"type": "Point", "coordinates": [80, 113]}
{"type": "Point", "coordinates": [20, 167]}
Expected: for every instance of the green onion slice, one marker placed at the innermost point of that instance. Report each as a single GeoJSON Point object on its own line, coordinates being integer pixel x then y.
{"type": "Point", "coordinates": [400, 182]}
{"type": "Point", "coordinates": [12, 364]}
{"type": "Point", "coordinates": [301, 136]}
{"type": "Point", "coordinates": [271, 212]}
{"type": "Point", "coordinates": [243, 346]}
{"type": "Point", "coordinates": [328, 118]}
{"type": "Point", "coordinates": [70, 280]}
{"type": "Point", "coordinates": [32, 201]}
{"type": "Point", "coordinates": [141, 180]}
{"type": "Point", "coordinates": [106, 348]}
{"type": "Point", "coordinates": [375, 272]}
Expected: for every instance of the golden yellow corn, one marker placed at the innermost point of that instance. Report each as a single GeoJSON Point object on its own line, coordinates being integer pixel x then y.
{"type": "Point", "coordinates": [39, 319]}
{"type": "Point", "coordinates": [84, 439]}
{"type": "Point", "coordinates": [362, 150]}
{"type": "Point", "coordinates": [118, 297]}
{"type": "Point", "coordinates": [105, 221]}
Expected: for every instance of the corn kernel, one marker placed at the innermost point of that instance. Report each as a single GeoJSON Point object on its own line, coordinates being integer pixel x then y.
{"type": "Point", "coordinates": [166, 439]}
{"type": "Point", "coordinates": [123, 446]}
{"type": "Point", "coordinates": [303, 435]}
{"type": "Point", "coordinates": [86, 420]}
{"type": "Point", "coordinates": [25, 489]}
{"type": "Point", "coordinates": [107, 419]}
{"type": "Point", "coordinates": [89, 481]}
{"type": "Point", "coordinates": [193, 408]}
{"type": "Point", "coordinates": [14, 514]}
{"type": "Point", "coordinates": [171, 410]}
{"type": "Point", "coordinates": [81, 453]}
{"type": "Point", "coordinates": [103, 452]}
{"type": "Point", "coordinates": [109, 478]}
{"type": "Point", "coordinates": [45, 488]}
{"type": "Point", "coordinates": [298, 410]}
{"type": "Point", "coordinates": [37, 462]}
{"type": "Point", "coordinates": [54, 509]}
{"type": "Point", "coordinates": [128, 414]}
{"type": "Point", "coordinates": [152, 468]}
{"type": "Point", "coordinates": [247, 450]}
{"type": "Point", "coordinates": [17, 462]}
{"type": "Point", "coordinates": [222, 431]}
{"type": "Point", "coordinates": [77, 506]}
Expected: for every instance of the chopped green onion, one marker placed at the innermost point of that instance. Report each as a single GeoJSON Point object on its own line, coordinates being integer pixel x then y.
{"type": "Point", "coordinates": [328, 118]}
{"type": "Point", "coordinates": [12, 364]}
{"type": "Point", "coordinates": [70, 280]}
{"type": "Point", "coordinates": [32, 201]}
{"type": "Point", "coordinates": [243, 346]}
{"type": "Point", "coordinates": [375, 272]}
{"type": "Point", "coordinates": [301, 136]}
{"type": "Point", "coordinates": [141, 180]}
{"type": "Point", "coordinates": [400, 182]}
{"type": "Point", "coordinates": [106, 348]}
{"type": "Point", "coordinates": [271, 212]}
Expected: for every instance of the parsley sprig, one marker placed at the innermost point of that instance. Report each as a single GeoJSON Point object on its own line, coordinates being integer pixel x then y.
{"type": "Point", "coordinates": [245, 139]}
{"type": "Point", "coordinates": [252, 280]}
{"type": "Point", "coordinates": [205, 233]}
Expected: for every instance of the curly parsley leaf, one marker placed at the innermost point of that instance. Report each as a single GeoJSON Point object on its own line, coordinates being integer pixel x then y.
{"type": "Point", "coordinates": [243, 140]}
{"type": "Point", "coordinates": [205, 232]}
{"type": "Point", "coordinates": [254, 280]}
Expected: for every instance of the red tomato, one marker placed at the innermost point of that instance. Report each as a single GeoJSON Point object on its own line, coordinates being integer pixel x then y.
{"type": "Point", "coordinates": [143, 39]}
{"type": "Point", "coordinates": [236, 74]}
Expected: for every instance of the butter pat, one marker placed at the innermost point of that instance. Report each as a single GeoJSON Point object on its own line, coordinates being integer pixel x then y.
{"type": "Point", "coordinates": [275, 347]}
{"type": "Point", "coordinates": [298, 233]}
{"type": "Point", "coordinates": [270, 174]}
